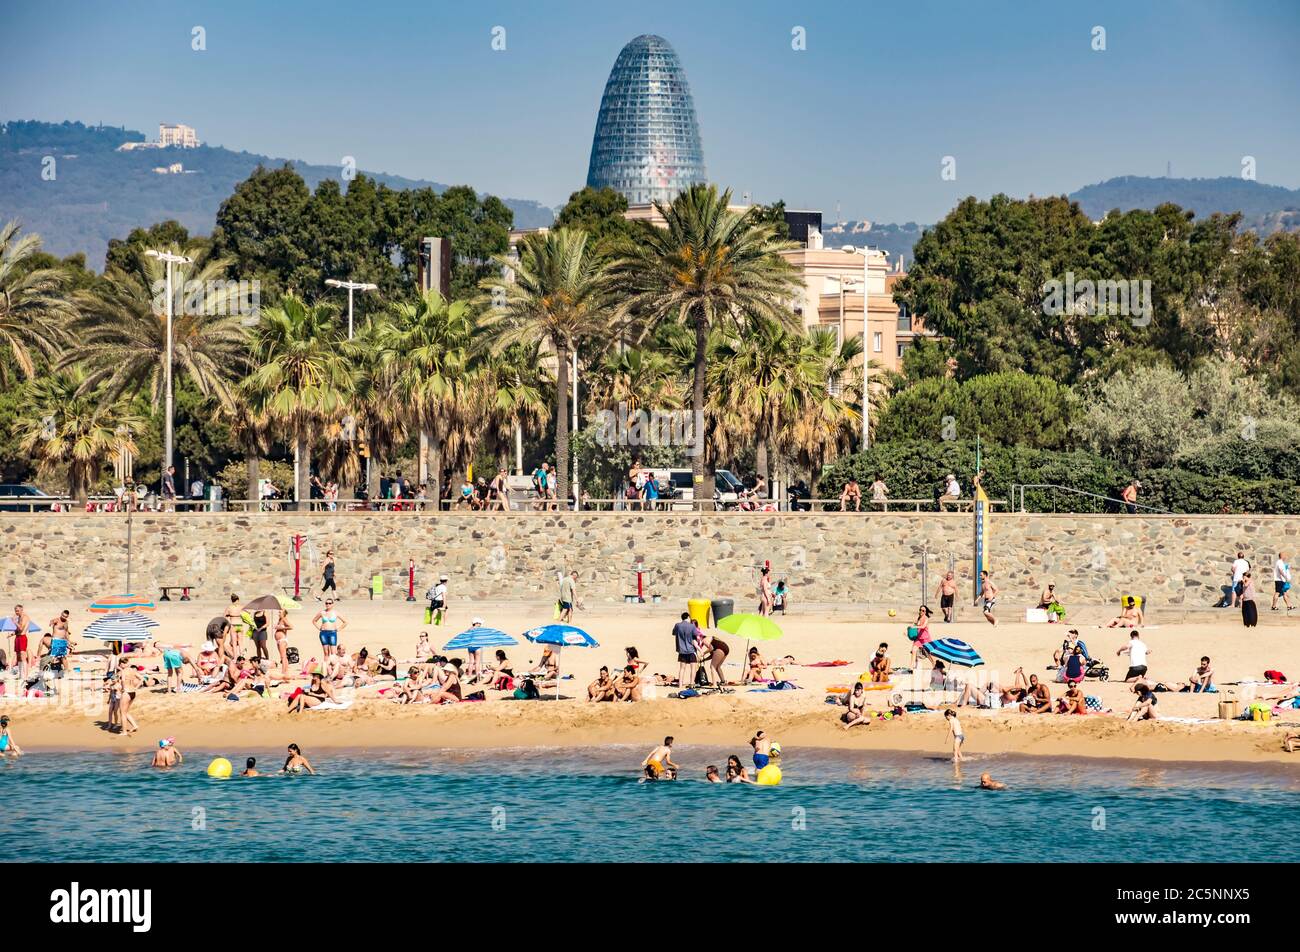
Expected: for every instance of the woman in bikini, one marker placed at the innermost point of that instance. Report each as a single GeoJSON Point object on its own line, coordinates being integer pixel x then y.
{"type": "Point", "coordinates": [282, 629]}
{"type": "Point", "coordinates": [736, 772]}
{"type": "Point", "coordinates": [409, 690]}
{"type": "Point", "coordinates": [448, 690]}
{"type": "Point", "coordinates": [881, 669]}
{"type": "Point", "coordinates": [754, 669]}
{"type": "Point", "coordinates": [316, 693]}
{"type": "Point", "coordinates": [296, 762]}
{"type": "Point", "coordinates": [857, 707]}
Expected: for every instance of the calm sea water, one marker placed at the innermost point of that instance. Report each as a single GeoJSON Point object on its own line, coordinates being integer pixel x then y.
{"type": "Point", "coordinates": [586, 805]}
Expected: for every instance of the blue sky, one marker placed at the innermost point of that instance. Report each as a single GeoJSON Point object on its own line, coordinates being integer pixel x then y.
{"type": "Point", "coordinates": [860, 119]}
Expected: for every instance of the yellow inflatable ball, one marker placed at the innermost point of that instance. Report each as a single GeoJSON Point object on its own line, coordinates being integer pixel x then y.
{"type": "Point", "coordinates": [220, 768]}
{"type": "Point", "coordinates": [892, 613]}
{"type": "Point", "coordinates": [769, 776]}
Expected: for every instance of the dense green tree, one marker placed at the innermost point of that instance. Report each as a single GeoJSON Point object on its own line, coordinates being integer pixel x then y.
{"type": "Point", "coordinates": [599, 212]}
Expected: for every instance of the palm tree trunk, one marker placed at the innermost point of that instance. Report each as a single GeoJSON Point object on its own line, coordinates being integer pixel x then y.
{"type": "Point", "coordinates": [303, 448]}
{"type": "Point", "coordinates": [372, 477]}
{"type": "Point", "coordinates": [434, 481]}
{"type": "Point", "coordinates": [422, 459]}
{"type": "Point", "coordinates": [253, 482]}
{"type": "Point", "coordinates": [562, 424]}
{"type": "Point", "coordinates": [703, 487]}
{"type": "Point", "coordinates": [519, 448]}
{"type": "Point", "coordinates": [760, 461]}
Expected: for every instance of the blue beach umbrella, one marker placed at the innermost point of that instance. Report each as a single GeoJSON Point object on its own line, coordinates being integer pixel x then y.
{"type": "Point", "coordinates": [473, 639]}
{"type": "Point", "coordinates": [7, 624]}
{"type": "Point", "coordinates": [954, 651]}
{"type": "Point", "coordinates": [561, 636]}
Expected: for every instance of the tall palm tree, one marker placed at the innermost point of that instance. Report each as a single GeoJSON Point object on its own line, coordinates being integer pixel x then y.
{"type": "Point", "coordinates": [557, 299]}
{"type": "Point", "coordinates": [427, 345]}
{"type": "Point", "coordinates": [301, 378]}
{"type": "Point", "coordinates": [516, 381]}
{"type": "Point", "coordinates": [122, 330]}
{"type": "Point", "coordinates": [637, 378]}
{"type": "Point", "coordinates": [64, 426]}
{"type": "Point", "coordinates": [709, 266]}
{"type": "Point", "coordinates": [34, 312]}
{"type": "Point", "coordinates": [828, 421]}
{"type": "Point", "coordinates": [379, 412]}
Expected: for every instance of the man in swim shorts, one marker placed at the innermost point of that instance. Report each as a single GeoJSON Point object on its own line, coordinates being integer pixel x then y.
{"type": "Point", "coordinates": [762, 749]}
{"type": "Point", "coordinates": [989, 593]}
{"type": "Point", "coordinates": [167, 754]}
{"type": "Point", "coordinates": [947, 593]}
{"type": "Point", "coordinates": [659, 765]}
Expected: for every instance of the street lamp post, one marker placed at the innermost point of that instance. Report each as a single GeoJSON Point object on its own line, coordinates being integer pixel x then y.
{"type": "Point", "coordinates": [170, 259]}
{"type": "Point", "coordinates": [351, 286]}
{"type": "Point", "coordinates": [866, 347]}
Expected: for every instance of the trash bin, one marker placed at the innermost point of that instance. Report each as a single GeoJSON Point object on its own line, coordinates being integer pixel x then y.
{"type": "Point", "coordinates": [722, 607]}
{"type": "Point", "coordinates": [698, 608]}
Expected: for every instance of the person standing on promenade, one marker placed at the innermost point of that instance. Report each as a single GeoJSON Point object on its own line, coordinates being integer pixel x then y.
{"type": "Point", "coordinates": [988, 593]}
{"type": "Point", "coordinates": [1240, 566]}
{"type": "Point", "coordinates": [1281, 581]}
{"type": "Point", "coordinates": [499, 491]}
{"type": "Point", "coordinates": [947, 592]}
{"type": "Point", "coordinates": [1249, 611]}
{"type": "Point", "coordinates": [684, 638]}
{"type": "Point", "coordinates": [1130, 496]}
{"type": "Point", "coordinates": [169, 489]}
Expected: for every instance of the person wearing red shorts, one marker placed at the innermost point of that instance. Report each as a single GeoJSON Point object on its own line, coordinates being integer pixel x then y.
{"type": "Point", "coordinates": [19, 624]}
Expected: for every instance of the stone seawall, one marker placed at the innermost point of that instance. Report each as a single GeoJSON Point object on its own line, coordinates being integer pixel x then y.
{"type": "Point", "coordinates": [826, 557]}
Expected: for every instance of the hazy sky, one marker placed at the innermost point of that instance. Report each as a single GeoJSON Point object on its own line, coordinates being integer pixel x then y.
{"type": "Point", "coordinates": [862, 118]}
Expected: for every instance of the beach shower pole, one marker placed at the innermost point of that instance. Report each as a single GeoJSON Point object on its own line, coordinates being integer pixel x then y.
{"type": "Point", "coordinates": [410, 580]}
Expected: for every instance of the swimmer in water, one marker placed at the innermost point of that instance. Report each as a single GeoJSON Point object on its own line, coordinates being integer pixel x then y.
{"type": "Point", "coordinates": [659, 765]}
{"type": "Point", "coordinates": [711, 774]}
{"type": "Point", "coordinates": [736, 772]}
{"type": "Point", "coordinates": [167, 754]}
{"type": "Point", "coordinates": [988, 783]}
{"type": "Point", "coordinates": [762, 749]}
{"type": "Point", "coordinates": [250, 768]}
{"type": "Point", "coordinates": [296, 762]}
{"type": "Point", "coordinates": [7, 743]}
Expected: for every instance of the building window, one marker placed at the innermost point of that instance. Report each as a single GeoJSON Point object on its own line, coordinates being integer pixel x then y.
{"type": "Point", "coordinates": [876, 342]}
{"type": "Point", "coordinates": [904, 319]}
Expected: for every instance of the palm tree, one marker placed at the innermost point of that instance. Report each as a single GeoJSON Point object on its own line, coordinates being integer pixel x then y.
{"type": "Point", "coordinates": [301, 378]}
{"type": "Point", "coordinates": [710, 266]}
{"type": "Point", "coordinates": [558, 299]}
{"type": "Point", "coordinates": [65, 426]}
{"type": "Point", "coordinates": [122, 331]}
{"type": "Point", "coordinates": [378, 409]}
{"type": "Point", "coordinates": [427, 346]}
{"type": "Point", "coordinates": [515, 380]}
{"type": "Point", "coordinates": [34, 313]}
{"type": "Point", "coordinates": [829, 419]}
{"type": "Point", "coordinates": [637, 378]}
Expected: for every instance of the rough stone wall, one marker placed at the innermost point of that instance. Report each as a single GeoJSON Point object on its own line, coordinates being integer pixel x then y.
{"type": "Point", "coordinates": [826, 557]}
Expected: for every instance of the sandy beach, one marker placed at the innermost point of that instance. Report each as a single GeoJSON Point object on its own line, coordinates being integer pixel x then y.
{"type": "Point", "coordinates": [1189, 729]}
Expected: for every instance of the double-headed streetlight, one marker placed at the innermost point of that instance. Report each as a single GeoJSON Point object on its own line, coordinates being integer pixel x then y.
{"type": "Point", "coordinates": [351, 286]}
{"type": "Point", "coordinates": [170, 259]}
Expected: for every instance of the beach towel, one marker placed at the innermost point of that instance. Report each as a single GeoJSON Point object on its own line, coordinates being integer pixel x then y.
{"type": "Point", "coordinates": [331, 706]}
{"type": "Point", "coordinates": [1093, 703]}
{"type": "Point", "coordinates": [826, 664]}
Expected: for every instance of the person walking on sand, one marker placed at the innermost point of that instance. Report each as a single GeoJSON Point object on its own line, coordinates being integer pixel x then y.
{"type": "Point", "coordinates": [955, 732]}
{"type": "Point", "coordinates": [765, 591]}
{"type": "Point", "coordinates": [282, 629]}
{"type": "Point", "coordinates": [988, 593]}
{"type": "Point", "coordinates": [437, 600]}
{"type": "Point", "coordinates": [658, 764]}
{"type": "Point", "coordinates": [1281, 581]}
{"type": "Point", "coordinates": [327, 576]}
{"type": "Point", "coordinates": [19, 628]}
{"type": "Point", "coordinates": [568, 596]}
{"type": "Point", "coordinates": [947, 592]}
{"type": "Point", "coordinates": [129, 682]}
{"type": "Point", "coordinates": [1137, 652]}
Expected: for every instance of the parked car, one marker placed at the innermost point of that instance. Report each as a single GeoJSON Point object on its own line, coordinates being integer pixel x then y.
{"type": "Point", "coordinates": [679, 486]}
{"type": "Point", "coordinates": [29, 501]}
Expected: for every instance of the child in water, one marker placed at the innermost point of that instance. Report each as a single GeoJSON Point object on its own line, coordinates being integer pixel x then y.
{"type": "Point", "coordinates": [7, 743]}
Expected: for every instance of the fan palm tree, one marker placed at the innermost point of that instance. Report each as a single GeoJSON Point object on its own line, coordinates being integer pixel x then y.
{"type": "Point", "coordinates": [827, 422]}
{"type": "Point", "coordinates": [635, 377]}
{"type": "Point", "coordinates": [64, 426]}
{"type": "Point", "coordinates": [708, 267]}
{"type": "Point", "coordinates": [122, 331]}
{"type": "Point", "coordinates": [378, 409]}
{"type": "Point", "coordinates": [427, 345]}
{"type": "Point", "coordinates": [516, 382]}
{"type": "Point", "coordinates": [34, 313]}
{"type": "Point", "coordinates": [301, 378]}
{"type": "Point", "coordinates": [557, 299]}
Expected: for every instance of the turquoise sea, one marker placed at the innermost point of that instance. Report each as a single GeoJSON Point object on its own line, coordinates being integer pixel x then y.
{"type": "Point", "coordinates": [567, 804]}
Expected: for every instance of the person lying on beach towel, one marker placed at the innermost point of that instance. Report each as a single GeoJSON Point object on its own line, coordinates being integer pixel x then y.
{"type": "Point", "coordinates": [318, 692]}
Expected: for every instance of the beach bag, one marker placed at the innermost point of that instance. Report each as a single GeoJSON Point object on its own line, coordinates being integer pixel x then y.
{"type": "Point", "coordinates": [428, 614]}
{"type": "Point", "coordinates": [1275, 677]}
{"type": "Point", "coordinates": [1092, 703]}
{"type": "Point", "coordinates": [701, 678]}
{"type": "Point", "coordinates": [291, 655]}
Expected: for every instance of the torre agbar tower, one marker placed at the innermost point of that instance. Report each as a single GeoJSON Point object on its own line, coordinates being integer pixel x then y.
{"type": "Point", "coordinates": [647, 141]}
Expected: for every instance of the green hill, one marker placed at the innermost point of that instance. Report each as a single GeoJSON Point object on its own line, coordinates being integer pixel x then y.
{"type": "Point", "coordinates": [98, 193]}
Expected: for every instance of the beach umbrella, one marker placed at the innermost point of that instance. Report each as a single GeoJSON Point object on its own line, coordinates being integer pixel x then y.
{"type": "Point", "coordinates": [7, 624]}
{"type": "Point", "coordinates": [271, 603]}
{"type": "Point", "coordinates": [122, 603]}
{"type": "Point", "coordinates": [479, 637]}
{"type": "Point", "coordinates": [122, 626]}
{"type": "Point", "coordinates": [954, 651]}
{"type": "Point", "coordinates": [560, 636]}
{"type": "Point", "coordinates": [751, 627]}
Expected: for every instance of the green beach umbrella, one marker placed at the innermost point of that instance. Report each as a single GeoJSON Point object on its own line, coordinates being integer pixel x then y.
{"type": "Point", "coordinates": [751, 627]}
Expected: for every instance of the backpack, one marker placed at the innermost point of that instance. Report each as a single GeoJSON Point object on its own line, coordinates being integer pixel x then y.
{"type": "Point", "coordinates": [701, 678]}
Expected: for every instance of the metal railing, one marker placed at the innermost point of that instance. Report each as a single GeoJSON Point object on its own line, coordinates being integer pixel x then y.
{"type": "Point", "coordinates": [1018, 491]}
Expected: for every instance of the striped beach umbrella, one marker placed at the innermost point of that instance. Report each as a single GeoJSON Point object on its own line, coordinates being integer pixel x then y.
{"type": "Point", "coordinates": [473, 639]}
{"type": "Point", "coordinates": [122, 603]}
{"type": "Point", "coordinates": [954, 651]}
{"type": "Point", "coordinates": [120, 626]}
